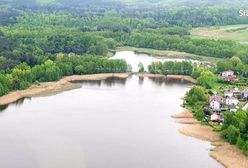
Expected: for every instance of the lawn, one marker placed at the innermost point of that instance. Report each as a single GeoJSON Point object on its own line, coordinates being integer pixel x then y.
{"type": "Point", "coordinates": [238, 33]}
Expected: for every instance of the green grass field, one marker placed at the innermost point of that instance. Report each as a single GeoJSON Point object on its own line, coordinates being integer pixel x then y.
{"type": "Point", "coordinates": [238, 33]}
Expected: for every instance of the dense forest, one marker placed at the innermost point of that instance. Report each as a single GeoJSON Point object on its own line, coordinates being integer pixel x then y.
{"type": "Point", "coordinates": [34, 32]}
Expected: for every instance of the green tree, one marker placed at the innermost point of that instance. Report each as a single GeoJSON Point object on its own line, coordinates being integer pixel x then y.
{"type": "Point", "coordinates": [231, 134]}
{"type": "Point", "coordinates": [207, 79]}
{"type": "Point", "coordinates": [141, 67]}
{"type": "Point", "coordinates": [197, 95]}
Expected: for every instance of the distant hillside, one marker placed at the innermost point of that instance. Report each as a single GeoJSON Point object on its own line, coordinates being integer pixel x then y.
{"type": "Point", "coordinates": [130, 3]}
{"type": "Point", "coordinates": [187, 3]}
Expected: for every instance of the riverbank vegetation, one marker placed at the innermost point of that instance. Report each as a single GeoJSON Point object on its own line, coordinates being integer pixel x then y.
{"type": "Point", "coordinates": [234, 129]}
{"type": "Point", "coordinates": [23, 76]}
{"type": "Point", "coordinates": [172, 68]}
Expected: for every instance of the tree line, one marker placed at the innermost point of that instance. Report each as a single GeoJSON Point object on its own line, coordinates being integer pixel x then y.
{"type": "Point", "coordinates": [23, 76]}
{"type": "Point", "coordinates": [170, 67]}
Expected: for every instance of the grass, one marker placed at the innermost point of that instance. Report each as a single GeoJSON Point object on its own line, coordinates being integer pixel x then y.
{"type": "Point", "coordinates": [238, 33]}
{"type": "Point", "coordinates": [166, 53]}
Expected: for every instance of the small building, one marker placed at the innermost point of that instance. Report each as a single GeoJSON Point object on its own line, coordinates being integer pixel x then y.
{"type": "Point", "coordinates": [227, 73]}
{"type": "Point", "coordinates": [216, 118]}
{"type": "Point", "coordinates": [237, 93]}
{"type": "Point", "coordinates": [231, 78]}
{"type": "Point", "coordinates": [228, 76]}
{"type": "Point", "coordinates": [245, 94]}
{"type": "Point", "coordinates": [232, 101]}
{"type": "Point", "coordinates": [234, 108]}
{"type": "Point", "coordinates": [228, 94]}
{"type": "Point", "coordinates": [215, 102]}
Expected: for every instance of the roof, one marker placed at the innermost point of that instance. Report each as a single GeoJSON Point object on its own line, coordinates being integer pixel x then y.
{"type": "Point", "coordinates": [228, 71]}
{"type": "Point", "coordinates": [215, 98]}
{"type": "Point", "coordinates": [215, 117]}
{"type": "Point", "coordinates": [228, 92]}
{"type": "Point", "coordinates": [232, 98]}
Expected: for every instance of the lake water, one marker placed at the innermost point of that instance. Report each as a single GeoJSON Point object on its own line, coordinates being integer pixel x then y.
{"type": "Point", "coordinates": [134, 59]}
{"type": "Point", "coordinates": [113, 123]}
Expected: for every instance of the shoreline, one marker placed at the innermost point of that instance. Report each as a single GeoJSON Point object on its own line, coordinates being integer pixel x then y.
{"type": "Point", "coordinates": [50, 88]}
{"type": "Point", "coordinates": [164, 53]}
{"type": "Point", "coordinates": [227, 155]}
{"type": "Point", "coordinates": [177, 77]}
{"type": "Point", "coordinates": [65, 84]}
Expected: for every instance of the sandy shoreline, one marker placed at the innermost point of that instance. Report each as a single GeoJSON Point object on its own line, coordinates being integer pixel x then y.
{"type": "Point", "coordinates": [177, 77]}
{"type": "Point", "coordinates": [228, 155]}
{"type": "Point", "coordinates": [49, 88]}
{"type": "Point", "coordinates": [64, 84]}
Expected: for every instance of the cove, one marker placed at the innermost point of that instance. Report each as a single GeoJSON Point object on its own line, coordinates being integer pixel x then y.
{"type": "Point", "coordinates": [113, 123]}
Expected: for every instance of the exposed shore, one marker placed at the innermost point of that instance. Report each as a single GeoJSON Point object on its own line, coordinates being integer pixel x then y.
{"type": "Point", "coordinates": [49, 88]}
{"type": "Point", "coordinates": [177, 77]}
{"type": "Point", "coordinates": [228, 155]}
{"type": "Point", "coordinates": [64, 84]}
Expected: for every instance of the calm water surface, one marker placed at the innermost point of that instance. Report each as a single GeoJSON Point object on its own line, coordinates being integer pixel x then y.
{"type": "Point", "coordinates": [134, 59]}
{"type": "Point", "coordinates": [106, 124]}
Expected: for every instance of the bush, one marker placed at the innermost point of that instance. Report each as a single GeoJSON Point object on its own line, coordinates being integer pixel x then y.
{"type": "Point", "coordinates": [240, 143]}
{"type": "Point", "coordinates": [231, 134]}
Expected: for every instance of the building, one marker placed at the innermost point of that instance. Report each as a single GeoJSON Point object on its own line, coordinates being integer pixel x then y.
{"type": "Point", "coordinates": [228, 76]}
{"type": "Point", "coordinates": [216, 118]}
{"type": "Point", "coordinates": [228, 94]}
{"type": "Point", "coordinates": [232, 101]}
{"type": "Point", "coordinates": [233, 108]}
{"type": "Point", "coordinates": [227, 73]}
{"type": "Point", "coordinates": [237, 93]}
{"type": "Point", "coordinates": [215, 102]}
{"type": "Point", "coordinates": [245, 94]}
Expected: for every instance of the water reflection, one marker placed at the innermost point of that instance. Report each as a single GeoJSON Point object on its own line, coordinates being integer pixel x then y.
{"type": "Point", "coordinates": [113, 123]}
{"type": "Point", "coordinates": [167, 81]}
{"type": "Point", "coordinates": [134, 59]}
{"type": "Point", "coordinates": [109, 82]}
{"type": "Point", "coordinates": [18, 103]}
{"type": "Point", "coordinates": [141, 80]}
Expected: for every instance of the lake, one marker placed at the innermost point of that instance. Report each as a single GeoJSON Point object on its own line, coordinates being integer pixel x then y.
{"type": "Point", "coordinates": [133, 59]}
{"type": "Point", "coordinates": [113, 123]}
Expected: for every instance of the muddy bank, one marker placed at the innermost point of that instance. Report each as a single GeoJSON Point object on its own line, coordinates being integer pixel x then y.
{"type": "Point", "coordinates": [49, 88]}
{"type": "Point", "coordinates": [228, 155]}
{"type": "Point", "coordinates": [177, 77]}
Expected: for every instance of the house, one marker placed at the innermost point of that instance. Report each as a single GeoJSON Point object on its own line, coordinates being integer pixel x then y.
{"type": "Point", "coordinates": [228, 76]}
{"type": "Point", "coordinates": [228, 94]}
{"type": "Point", "coordinates": [232, 101]}
{"type": "Point", "coordinates": [231, 78]}
{"type": "Point", "coordinates": [216, 118]}
{"type": "Point", "coordinates": [227, 73]}
{"type": "Point", "coordinates": [234, 108]}
{"type": "Point", "coordinates": [237, 93]}
{"type": "Point", "coordinates": [215, 102]}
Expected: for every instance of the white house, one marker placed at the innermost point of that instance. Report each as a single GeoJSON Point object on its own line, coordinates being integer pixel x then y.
{"type": "Point", "coordinates": [215, 102]}
{"type": "Point", "coordinates": [232, 101]}
{"type": "Point", "coordinates": [226, 74]}
{"type": "Point", "coordinates": [228, 94]}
